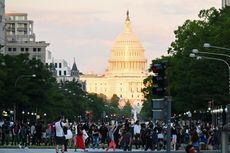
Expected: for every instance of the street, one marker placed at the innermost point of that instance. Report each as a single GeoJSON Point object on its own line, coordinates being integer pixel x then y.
{"type": "Point", "coordinates": [90, 150]}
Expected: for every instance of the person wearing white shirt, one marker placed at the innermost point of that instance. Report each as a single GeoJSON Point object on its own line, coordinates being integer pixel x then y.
{"type": "Point", "coordinates": [59, 137]}
{"type": "Point", "coordinates": [136, 132]}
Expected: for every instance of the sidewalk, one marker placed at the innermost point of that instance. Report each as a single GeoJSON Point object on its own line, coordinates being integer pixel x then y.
{"type": "Point", "coordinates": [5, 150]}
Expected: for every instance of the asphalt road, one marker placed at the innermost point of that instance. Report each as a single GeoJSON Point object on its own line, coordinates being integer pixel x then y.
{"type": "Point", "coordinates": [90, 151]}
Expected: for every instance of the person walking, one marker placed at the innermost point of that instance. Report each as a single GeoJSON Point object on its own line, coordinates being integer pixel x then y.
{"type": "Point", "coordinates": [95, 134]}
{"type": "Point", "coordinates": [136, 132]}
{"type": "Point", "coordinates": [65, 128]}
{"type": "Point", "coordinates": [79, 139]}
{"type": "Point", "coordinates": [103, 131]}
{"type": "Point", "coordinates": [149, 134]}
{"type": "Point", "coordinates": [143, 135]}
{"type": "Point", "coordinates": [60, 137]}
{"type": "Point", "coordinates": [112, 143]}
{"type": "Point", "coordinates": [174, 137]}
{"type": "Point", "coordinates": [126, 140]}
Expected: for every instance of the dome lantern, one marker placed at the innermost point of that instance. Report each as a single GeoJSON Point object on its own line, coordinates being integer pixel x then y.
{"type": "Point", "coordinates": [128, 27]}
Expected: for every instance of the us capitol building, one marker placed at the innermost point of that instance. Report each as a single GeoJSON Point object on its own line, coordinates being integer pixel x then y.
{"type": "Point", "coordinates": [127, 68]}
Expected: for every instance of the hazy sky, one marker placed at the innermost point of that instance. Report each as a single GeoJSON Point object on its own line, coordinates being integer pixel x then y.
{"type": "Point", "coordinates": [86, 29]}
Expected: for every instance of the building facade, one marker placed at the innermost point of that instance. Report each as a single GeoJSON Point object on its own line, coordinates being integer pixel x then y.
{"type": "Point", "coordinates": [61, 67]}
{"type": "Point", "coordinates": [2, 26]}
{"type": "Point", "coordinates": [127, 68]}
{"type": "Point", "coordinates": [20, 38]}
{"type": "Point", "coordinates": [225, 3]}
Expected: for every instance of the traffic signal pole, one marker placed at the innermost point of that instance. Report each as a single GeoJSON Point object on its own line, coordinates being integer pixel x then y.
{"type": "Point", "coordinates": [168, 149]}
{"type": "Point", "coordinates": [162, 111]}
{"type": "Point", "coordinates": [161, 107]}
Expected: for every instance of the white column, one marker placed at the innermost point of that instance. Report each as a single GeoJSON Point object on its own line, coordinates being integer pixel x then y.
{"type": "Point", "coordinates": [225, 3]}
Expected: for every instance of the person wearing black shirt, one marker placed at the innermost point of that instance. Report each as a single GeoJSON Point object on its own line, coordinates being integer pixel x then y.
{"type": "Point", "coordinates": [103, 134]}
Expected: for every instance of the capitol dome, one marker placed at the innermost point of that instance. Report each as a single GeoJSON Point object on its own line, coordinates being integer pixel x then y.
{"type": "Point", "coordinates": [127, 58]}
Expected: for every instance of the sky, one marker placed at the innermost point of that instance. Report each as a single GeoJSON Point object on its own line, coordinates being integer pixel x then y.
{"type": "Point", "coordinates": [86, 29]}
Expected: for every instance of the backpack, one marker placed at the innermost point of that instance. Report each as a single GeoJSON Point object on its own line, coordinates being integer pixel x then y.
{"type": "Point", "coordinates": [64, 130]}
{"type": "Point", "coordinates": [53, 130]}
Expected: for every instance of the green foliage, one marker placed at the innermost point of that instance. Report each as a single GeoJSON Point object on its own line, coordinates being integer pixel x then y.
{"type": "Point", "coordinates": [126, 110]}
{"type": "Point", "coordinates": [114, 101]}
{"type": "Point", "coordinates": [192, 83]}
{"type": "Point", "coordinates": [42, 94]}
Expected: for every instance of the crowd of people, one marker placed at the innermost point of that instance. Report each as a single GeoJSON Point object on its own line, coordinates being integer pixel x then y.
{"type": "Point", "coordinates": [123, 134]}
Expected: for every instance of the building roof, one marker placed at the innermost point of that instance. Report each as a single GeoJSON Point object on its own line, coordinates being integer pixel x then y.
{"type": "Point", "coordinates": [74, 67]}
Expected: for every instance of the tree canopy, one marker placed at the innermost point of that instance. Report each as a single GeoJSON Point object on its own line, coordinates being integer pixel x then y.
{"type": "Point", "coordinates": [29, 86]}
{"type": "Point", "coordinates": [190, 82]}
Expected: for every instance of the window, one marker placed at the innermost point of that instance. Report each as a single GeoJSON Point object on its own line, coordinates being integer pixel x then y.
{"type": "Point", "coordinates": [55, 65]}
{"type": "Point", "coordinates": [27, 49]}
{"type": "Point", "coordinates": [9, 49]}
{"type": "Point", "coordinates": [64, 72]}
{"type": "Point", "coordinates": [39, 49]}
{"type": "Point", "coordinates": [22, 49]}
{"type": "Point", "coordinates": [59, 72]}
{"type": "Point", "coordinates": [59, 65]}
{"type": "Point", "coordinates": [34, 49]}
{"type": "Point", "coordinates": [14, 49]}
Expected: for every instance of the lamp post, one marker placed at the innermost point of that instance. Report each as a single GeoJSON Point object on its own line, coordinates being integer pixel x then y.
{"type": "Point", "coordinates": [207, 45]}
{"type": "Point", "coordinates": [15, 85]}
{"type": "Point", "coordinates": [23, 76]}
{"type": "Point", "coordinates": [196, 51]}
{"type": "Point", "coordinates": [217, 59]}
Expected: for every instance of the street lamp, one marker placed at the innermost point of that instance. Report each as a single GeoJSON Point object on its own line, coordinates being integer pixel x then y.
{"type": "Point", "coordinates": [207, 45]}
{"type": "Point", "coordinates": [217, 59]}
{"type": "Point", "coordinates": [196, 51]}
{"type": "Point", "coordinates": [23, 76]}
{"type": "Point", "coordinates": [15, 85]}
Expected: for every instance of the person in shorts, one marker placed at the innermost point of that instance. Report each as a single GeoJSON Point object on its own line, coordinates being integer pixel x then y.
{"type": "Point", "coordinates": [59, 137]}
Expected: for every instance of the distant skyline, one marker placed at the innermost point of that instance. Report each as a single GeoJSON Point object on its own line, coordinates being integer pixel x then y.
{"type": "Point", "coordinates": [86, 29]}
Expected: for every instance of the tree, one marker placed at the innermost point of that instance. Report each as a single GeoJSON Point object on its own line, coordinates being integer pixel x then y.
{"type": "Point", "coordinates": [192, 83]}
{"type": "Point", "coordinates": [18, 87]}
{"type": "Point", "coordinates": [126, 111]}
{"type": "Point", "coordinates": [114, 101]}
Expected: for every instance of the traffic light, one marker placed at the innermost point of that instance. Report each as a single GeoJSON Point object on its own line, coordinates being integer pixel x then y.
{"type": "Point", "coordinates": [158, 79]}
